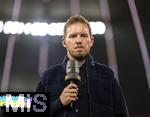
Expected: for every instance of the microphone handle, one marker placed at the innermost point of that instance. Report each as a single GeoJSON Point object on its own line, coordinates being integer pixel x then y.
{"type": "Point", "coordinates": [71, 104]}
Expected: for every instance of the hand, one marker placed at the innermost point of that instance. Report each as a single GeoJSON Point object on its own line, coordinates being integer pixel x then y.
{"type": "Point", "coordinates": [69, 94]}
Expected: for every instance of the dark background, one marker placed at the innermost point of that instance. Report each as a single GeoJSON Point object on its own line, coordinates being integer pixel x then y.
{"type": "Point", "coordinates": [24, 70]}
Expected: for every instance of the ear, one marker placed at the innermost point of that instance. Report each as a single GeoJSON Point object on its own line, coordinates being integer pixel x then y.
{"type": "Point", "coordinates": [63, 43]}
{"type": "Point", "coordinates": [92, 41]}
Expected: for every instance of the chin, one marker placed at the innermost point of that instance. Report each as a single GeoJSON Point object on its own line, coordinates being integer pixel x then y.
{"type": "Point", "coordinates": [80, 57]}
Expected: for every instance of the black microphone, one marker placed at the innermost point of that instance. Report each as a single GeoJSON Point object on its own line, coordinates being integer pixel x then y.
{"type": "Point", "coordinates": [72, 70]}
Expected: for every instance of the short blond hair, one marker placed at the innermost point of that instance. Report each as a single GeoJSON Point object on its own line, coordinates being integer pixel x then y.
{"type": "Point", "coordinates": [75, 19]}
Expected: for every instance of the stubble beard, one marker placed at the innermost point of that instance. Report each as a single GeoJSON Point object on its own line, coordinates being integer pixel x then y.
{"type": "Point", "coordinates": [78, 56]}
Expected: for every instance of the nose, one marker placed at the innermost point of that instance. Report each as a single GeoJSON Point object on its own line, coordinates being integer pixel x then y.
{"type": "Point", "coordinates": [78, 39]}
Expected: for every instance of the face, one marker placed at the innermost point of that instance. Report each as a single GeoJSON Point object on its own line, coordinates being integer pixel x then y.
{"type": "Point", "coordinates": [78, 41]}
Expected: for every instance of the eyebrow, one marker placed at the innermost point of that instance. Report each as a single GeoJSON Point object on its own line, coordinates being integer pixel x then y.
{"type": "Point", "coordinates": [74, 34]}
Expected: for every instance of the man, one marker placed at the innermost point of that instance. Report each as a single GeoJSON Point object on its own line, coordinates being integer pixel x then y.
{"type": "Point", "coordinates": [97, 95]}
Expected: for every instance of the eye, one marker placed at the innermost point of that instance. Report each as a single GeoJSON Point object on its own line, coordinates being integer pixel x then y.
{"type": "Point", "coordinates": [72, 35]}
{"type": "Point", "coordinates": [84, 35]}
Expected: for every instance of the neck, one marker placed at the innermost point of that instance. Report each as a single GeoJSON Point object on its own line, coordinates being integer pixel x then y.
{"type": "Point", "coordinates": [80, 63]}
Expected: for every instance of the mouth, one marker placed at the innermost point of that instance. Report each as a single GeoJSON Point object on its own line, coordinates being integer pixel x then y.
{"type": "Point", "coordinates": [79, 46]}
{"type": "Point", "coordinates": [79, 49]}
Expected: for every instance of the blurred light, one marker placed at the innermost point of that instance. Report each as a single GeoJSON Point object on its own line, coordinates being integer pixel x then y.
{"type": "Point", "coordinates": [7, 27]}
{"type": "Point", "coordinates": [1, 26]}
{"type": "Point", "coordinates": [98, 27]}
{"type": "Point", "coordinates": [27, 28]}
{"type": "Point", "coordinates": [19, 27]}
{"type": "Point", "coordinates": [42, 29]}
{"type": "Point", "coordinates": [56, 29]}
{"type": "Point", "coordinates": [15, 27]}
{"type": "Point", "coordinates": [39, 29]}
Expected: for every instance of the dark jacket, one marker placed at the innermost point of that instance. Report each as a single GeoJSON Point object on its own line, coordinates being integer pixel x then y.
{"type": "Point", "coordinates": [106, 97]}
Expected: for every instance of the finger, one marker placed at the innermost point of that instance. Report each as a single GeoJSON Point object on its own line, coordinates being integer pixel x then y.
{"type": "Point", "coordinates": [72, 95]}
{"type": "Point", "coordinates": [71, 91]}
{"type": "Point", "coordinates": [70, 99]}
{"type": "Point", "coordinates": [73, 99]}
{"type": "Point", "coordinates": [72, 85]}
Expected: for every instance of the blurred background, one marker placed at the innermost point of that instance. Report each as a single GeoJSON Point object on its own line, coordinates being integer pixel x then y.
{"type": "Point", "coordinates": [29, 43]}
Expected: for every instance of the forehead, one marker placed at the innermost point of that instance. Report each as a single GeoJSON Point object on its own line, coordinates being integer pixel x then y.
{"type": "Point", "coordinates": [77, 27]}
